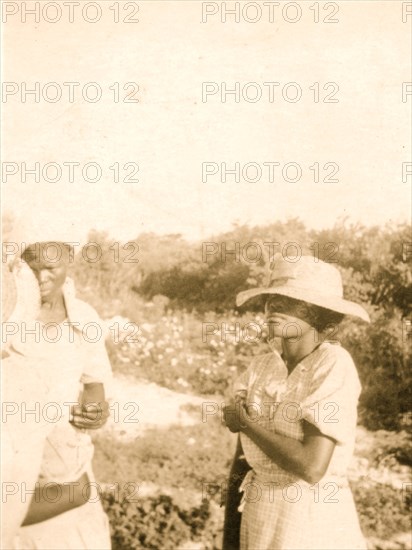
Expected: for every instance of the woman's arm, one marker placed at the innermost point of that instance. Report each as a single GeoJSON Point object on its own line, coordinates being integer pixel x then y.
{"type": "Point", "coordinates": [231, 528]}
{"type": "Point", "coordinates": [93, 410]}
{"type": "Point", "coordinates": [57, 500]}
{"type": "Point", "coordinates": [308, 459]}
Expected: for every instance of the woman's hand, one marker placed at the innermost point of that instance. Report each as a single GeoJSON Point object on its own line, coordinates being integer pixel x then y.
{"type": "Point", "coordinates": [93, 410]}
{"type": "Point", "coordinates": [91, 416]}
{"type": "Point", "coordinates": [234, 414]}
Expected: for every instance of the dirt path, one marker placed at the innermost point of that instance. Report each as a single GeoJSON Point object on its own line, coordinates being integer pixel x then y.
{"type": "Point", "coordinates": [138, 406]}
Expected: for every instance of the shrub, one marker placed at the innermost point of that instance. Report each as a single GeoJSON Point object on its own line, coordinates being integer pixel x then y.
{"type": "Point", "coordinates": [383, 511]}
{"type": "Point", "coordinates": [153, 522]}
{"type": "Point", "coordinates": [382, 356]}
{"type": "Point", "coordinates": [179, 457]}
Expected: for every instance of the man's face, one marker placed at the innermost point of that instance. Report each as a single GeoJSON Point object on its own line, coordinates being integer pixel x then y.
{"type": "Point", "coordinates": [49, 263]}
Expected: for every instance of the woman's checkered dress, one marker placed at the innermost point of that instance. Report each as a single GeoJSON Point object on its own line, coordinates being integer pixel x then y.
{"type": "Point", "coordinates": [279, 510]}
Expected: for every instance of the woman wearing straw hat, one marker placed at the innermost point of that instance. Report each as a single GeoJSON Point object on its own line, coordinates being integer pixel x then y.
{"type": "Point", "coordinates": [65, 345]}
{"type": "Point", "coordinates": [296, 413]}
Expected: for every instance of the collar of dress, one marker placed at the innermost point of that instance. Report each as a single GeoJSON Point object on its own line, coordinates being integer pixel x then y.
{"type": "Point", "coordinates": [306, 362]}
{"type": "Point", "coordinates": [79, 313]}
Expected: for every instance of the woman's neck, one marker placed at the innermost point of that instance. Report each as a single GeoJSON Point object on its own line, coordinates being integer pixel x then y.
{"type": "Point", "coordinates": [53, 302]}
{"type": "Point", "coordinates": [295, 350]}
{"type": "Point", "coordinates": [53, 308]}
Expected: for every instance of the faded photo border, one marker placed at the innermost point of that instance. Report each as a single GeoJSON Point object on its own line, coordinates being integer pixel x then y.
{"type": "Point", "coordinates": [162, 158]}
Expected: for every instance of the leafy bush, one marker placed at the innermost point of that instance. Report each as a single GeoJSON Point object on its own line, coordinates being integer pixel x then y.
{"type": "Point", "coordinates": [169, 501]}
{"type": "Point", "coordinates": [153, 522]}
{"type": "Point", "coordinates": [180, 457]}
{"type": "Point", "coordinates": [383, 358]}
{"type": "Point", "coordinates": [383, 511]}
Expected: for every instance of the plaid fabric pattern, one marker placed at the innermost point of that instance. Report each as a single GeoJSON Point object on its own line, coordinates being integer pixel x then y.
{"type": "Point", "coordinates": [287, 513]}
{"type": "Point", "coordinates": [297, 517]}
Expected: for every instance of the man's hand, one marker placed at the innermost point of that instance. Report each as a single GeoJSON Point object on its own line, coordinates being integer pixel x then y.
{"type": "Point", "coordinates": [91, 416]}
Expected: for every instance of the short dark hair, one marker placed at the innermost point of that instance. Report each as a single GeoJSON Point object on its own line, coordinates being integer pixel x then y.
{"type": "Point", "coordinates": [35, 251]}
{"type": "Point", "coordinates": [318, 317]}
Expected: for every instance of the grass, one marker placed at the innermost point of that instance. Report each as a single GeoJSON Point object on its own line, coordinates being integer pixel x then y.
{"type": "Point", "coordinates": [178, 457]}
{"type": "Point", "coordinates": [383, 511]}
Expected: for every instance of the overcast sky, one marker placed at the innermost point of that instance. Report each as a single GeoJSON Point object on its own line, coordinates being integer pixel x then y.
{"type": "Point", "coordinates": [171, 131]}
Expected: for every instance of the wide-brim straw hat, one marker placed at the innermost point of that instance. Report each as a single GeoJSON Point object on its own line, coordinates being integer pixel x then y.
{"type": "Point", "coordinates": [307, 279]}
{"type": "Point", "coordinates": [8, 293]}
{"type": "Point", "coordinates": [20, 293]}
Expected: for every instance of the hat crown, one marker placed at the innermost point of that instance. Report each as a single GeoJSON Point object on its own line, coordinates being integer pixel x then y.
{"type": "Point", "coordinates": [306, 273]}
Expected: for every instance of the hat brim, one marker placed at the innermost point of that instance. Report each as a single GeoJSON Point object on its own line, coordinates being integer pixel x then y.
{"type": "Point", "coordinates": [8, 293]}
{"type": "Point", "coordinates": [333, 303]}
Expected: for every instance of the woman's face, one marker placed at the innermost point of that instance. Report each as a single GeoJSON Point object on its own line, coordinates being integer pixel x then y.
{"type": "Point", "coordinates": [49, 262]}
{"type": "Point", "coordinates": [284, 319]}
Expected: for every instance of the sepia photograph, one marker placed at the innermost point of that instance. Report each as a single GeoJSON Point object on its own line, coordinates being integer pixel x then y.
{"type": "Point", "coordinates": [206, 275]}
